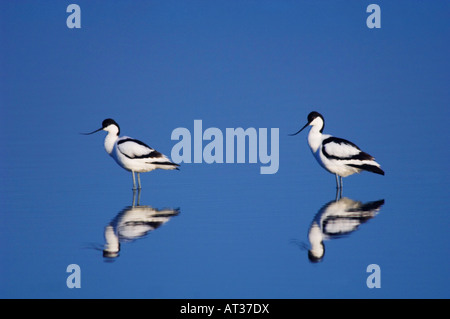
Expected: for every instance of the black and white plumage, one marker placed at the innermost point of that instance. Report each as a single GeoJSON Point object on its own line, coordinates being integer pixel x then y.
{"type": "Point", "coordinates": [132, 223]}
{"type": "Point", "coordinates": [336, 155]}
{"type": "Point", "coordinates": [336, 219]}
{"type": "Point", "coordinates": [131, 154]}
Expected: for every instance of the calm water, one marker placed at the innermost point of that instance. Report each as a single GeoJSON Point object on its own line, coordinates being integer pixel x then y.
{"type": "Point", "coordinates": [223, 230]}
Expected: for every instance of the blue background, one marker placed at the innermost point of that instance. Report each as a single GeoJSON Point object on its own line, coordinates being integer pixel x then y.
{"type": "Point", "coordinates": [154, 66]}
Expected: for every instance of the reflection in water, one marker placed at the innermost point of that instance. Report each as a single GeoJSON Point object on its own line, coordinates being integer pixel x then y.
{"type": "Point", "coordinates": [134, 222]}
{"type": "Point", "coordinates": [336, 219]}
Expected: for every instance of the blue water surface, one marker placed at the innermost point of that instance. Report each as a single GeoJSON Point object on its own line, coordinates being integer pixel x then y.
{"type": "Point", "coordinates": [223, 230]}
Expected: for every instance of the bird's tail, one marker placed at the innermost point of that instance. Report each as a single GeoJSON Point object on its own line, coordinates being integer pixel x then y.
{"type": "Point", "coordinates": [369, 167]}
{"type": "Point", "coordinates": [167, 165]}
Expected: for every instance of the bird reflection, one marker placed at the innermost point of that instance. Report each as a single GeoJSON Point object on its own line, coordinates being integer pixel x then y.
{"type": "Point", "coordinates": [336, 219]}
{"type": "Point", "coordinates": [134, 222]}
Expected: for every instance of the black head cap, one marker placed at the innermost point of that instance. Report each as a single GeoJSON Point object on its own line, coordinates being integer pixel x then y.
{"type": "Point", "coordinates": [108, 122]}
{"type": "Point", "coordinates": [313, 115]}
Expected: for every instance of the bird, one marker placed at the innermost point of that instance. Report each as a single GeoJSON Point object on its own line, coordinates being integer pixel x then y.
{"type": "Point", "coordinates": [337, 155]}
{"type": "Point", "coordinates": [131, 154]}
{"type": "Point", "coordinates": [336, 219]}
{"type": "Point", "coordinates": [132, 223]}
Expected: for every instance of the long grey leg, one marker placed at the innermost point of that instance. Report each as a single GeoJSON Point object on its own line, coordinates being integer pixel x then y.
{"type": "Point", "coordinates": [337, 182]}
{"type": "Point", "coordinates": [139, 180]}
{"type": "Point", "coordinates": [134, 196]}
{"type": "Point", "coordinates": [134, 180]}
{"type": "Point", "coordinates": [136, 199]}
{"type": "Point", "coordinates": [139, 197]}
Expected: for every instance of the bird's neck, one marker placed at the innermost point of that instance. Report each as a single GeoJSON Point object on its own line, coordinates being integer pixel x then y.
{"type": "Point", "coordinates": [314, 138]}
{"type": "Point", "coordinates": [110, 140]}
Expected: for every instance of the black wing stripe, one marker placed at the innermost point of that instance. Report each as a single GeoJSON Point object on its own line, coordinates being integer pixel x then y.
{"type": "Point", "coordinates": [164, 163]}
{"type": "Point", "coordinates": [368, 167]}
{"type": "Point", "coordinates": [152, 154]}
{"type": "Point", "coordinates": [360, 156]}
{"type": "Point", "coordinates": [134, 141]}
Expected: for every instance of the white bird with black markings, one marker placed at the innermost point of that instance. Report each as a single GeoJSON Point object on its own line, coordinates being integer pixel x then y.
{"type": "Point", "coordinates": [131, 154]}
{"type": "Point", "coordinates": [336, 155]}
